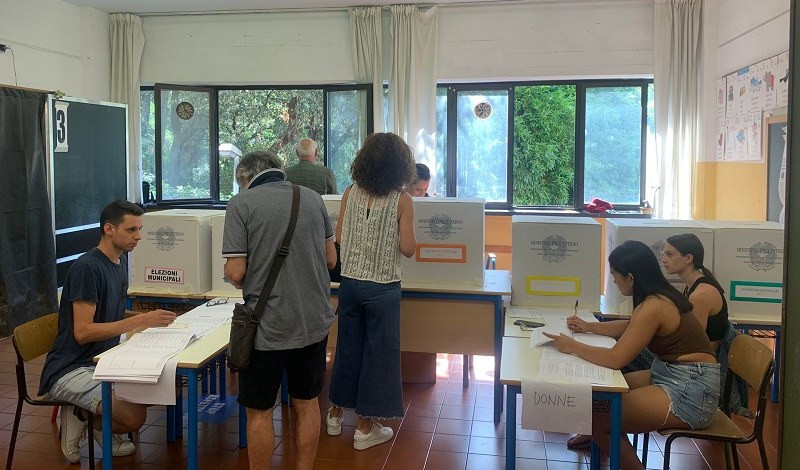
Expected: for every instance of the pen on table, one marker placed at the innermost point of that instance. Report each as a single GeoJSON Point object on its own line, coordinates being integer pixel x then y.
{"type": "Point", "coordinates": [576, 310]}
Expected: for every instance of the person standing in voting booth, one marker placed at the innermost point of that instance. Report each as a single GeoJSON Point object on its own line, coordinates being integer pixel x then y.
{"type": "Point", "coordinates": [91, 319]}
{"type": "Point", "coordinates": [419, 188]}
{"type": "Point", "coordinates": [375, 227]}
{"type": "Point", "coordinates": [682, 387]}
{"type": "Point", "coordinates": [293, 329]}
{"type": "Point", "coordinates": [307, 173]}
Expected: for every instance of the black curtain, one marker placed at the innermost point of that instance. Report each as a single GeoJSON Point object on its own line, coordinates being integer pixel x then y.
{"type": "Point", "coordinates": [27, 247]}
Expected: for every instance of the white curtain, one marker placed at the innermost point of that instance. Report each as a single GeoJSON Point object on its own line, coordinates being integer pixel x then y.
{"type": "Point", "coordinates": [127, 44]}
{"type": "Point", "coordinates": [365, 23]}
{"type": "Point", "coordinates": [677, 54]}
{"type": "Point", "coordinates": [412, 84]}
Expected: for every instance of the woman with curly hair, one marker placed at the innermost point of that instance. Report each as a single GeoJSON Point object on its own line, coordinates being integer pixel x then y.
{"type": "Point", "coordinates": [375, 226]}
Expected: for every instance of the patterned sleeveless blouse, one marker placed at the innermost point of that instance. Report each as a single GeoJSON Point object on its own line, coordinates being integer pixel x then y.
{"type": "Point", "coordinates": [370, 245]}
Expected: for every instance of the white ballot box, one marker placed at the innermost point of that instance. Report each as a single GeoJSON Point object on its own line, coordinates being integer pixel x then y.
{"type": "Point", "coordinates": [748, 263]}
{"type": "Point", "coordinates": [450, 242]}
{"type": "Point", "coordinates": [173, 254]}
{"type": "Point", "coordinates": [555, 261]}
{"type": "Point", "coordinates": [219, 286]}
{"type": "Point", "coordinates": [653, 233]}
{"type": "Point", "coordinates": [332, 203]}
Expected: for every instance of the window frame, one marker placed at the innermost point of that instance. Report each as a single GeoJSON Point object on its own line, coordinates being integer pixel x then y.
{"type": "Point", "coordinates": [214, 199]}
{"type": "Point", "coordinates": [580, 127]}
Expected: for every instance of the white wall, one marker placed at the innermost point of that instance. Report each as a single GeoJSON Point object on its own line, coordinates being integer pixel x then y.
{"type": "Point", "coordinates": [57, 46]}
{"type": "Point", "coordinates": [566, 39]}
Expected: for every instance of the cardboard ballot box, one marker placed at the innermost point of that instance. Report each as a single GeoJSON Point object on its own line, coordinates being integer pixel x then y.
{"type": "Point", "coordinates": [450, 242]}
{"type": "Point", "coordinates": [332, 203]}
{"type": "Point", "coordinates": [555, 261]}
{"type": "Point", "coordinates": [748, 263]}
{"type": "Point", "coordinates": [219, 286]}
{"type": "Point", "coordinates": [173, 254]}
{"type": "Point", "coordinates": [653, 233]}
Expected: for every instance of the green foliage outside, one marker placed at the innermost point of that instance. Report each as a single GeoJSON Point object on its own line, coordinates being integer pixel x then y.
{"type": "Point", "coordinates": [544, 145]}
{"type": "Point", "coordinates": [251, 120]}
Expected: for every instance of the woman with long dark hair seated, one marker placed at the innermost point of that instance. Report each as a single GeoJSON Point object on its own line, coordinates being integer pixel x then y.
{"type": "Point", "coordinates": [683, 255]}
{"type": "Point", "coordinates": [681, 388]}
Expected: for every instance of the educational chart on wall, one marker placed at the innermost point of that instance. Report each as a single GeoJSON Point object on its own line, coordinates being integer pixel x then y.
{"type": "Point", "coordinates": [741, 98]}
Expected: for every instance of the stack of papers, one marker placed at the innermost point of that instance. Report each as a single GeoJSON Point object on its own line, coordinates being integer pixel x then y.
{"type": "Point", "coordinates": [206, 318]}
{"type": "Point", "coordinates": [141, 359]}
{"type": "Point", "coordinates": [566, 368]}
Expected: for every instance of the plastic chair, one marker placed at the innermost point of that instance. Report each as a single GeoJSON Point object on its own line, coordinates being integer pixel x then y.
{"type": "Point", "coordinates": [753, 362]}
{"type": "Point", "coordinates": [32, 340]}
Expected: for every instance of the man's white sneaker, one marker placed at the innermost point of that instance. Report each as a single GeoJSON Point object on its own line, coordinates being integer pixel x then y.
{"type": "Point", "coordinates": [120, 444]}
{"type": "Point", "coordinates": [377, 435]}
{"type": "Point", "coordinates": [73, 429]}
{"type": "Point", "coordinates": [334, 424]}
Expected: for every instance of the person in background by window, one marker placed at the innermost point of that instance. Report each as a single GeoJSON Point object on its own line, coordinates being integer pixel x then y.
{"type": "Point", "coordinates": [293, 330]}
{"type": "Point", "coordinates": [682, 387]}
{"type": "Point", "coordinates": [419, 188]}
{"type": "Point", "coordinates": [307, 173]}
{"type": "Point", "coordinates": [91, 319]}
{"type": "Point", "coordinates": [375, 227]}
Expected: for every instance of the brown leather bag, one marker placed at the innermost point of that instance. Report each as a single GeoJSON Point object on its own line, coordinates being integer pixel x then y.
{"type": "Point", "coordinates": [244, 324]}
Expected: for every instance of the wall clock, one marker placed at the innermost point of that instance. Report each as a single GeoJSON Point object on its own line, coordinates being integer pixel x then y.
{"type": "Point", "coordinates": [185, 110]}
{"type": "Point", "coordinates": [483, 110]}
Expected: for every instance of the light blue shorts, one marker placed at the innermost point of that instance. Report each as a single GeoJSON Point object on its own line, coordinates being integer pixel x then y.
{"type": "Point", "coordinates": [693, 388]}
{"type": "Point", "coordinates": [79, 388]}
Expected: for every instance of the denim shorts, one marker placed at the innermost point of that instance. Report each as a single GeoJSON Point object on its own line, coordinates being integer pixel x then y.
{"type": "Point", "coordinates": [693, 389]}
{"type": "Point", "coordinates": [79, 388]}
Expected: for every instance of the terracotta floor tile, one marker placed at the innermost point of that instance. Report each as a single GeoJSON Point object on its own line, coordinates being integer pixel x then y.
{"type": "Point", "coordinates": [487, 445]}
{"type": "Point", "coordinates": [488, 429]}
{"type": "Point", "coordinates": [453, 426]}
{"type": "Point", "coordinates": [485, 462]}
{"type": "Point", "coordinates": [401, 457]}
{"type": "Point", "coordinates": [430, 410]}
{"type": "Point", "coordinates": [456, 412]}
{"type": "Point", "coordinates": [450, 443]}
{"type": "Point", "coordinates": [418, 423]}
{"type": "Point", "coordinates": [439, 460]}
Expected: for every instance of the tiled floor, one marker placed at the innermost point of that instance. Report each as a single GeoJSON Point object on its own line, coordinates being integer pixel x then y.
{"type": "Point", "coordinates": [446, 427]}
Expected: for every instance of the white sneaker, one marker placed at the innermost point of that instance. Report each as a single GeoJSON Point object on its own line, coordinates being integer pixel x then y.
{"type": "Point", "coordinates": [120, 444]}
{"type": "Point", "coordinates": [334, 423]}
{"type": "Point", "coordinates": [377, 435]}
{"type": "Point", "coordinates": [73, 430]}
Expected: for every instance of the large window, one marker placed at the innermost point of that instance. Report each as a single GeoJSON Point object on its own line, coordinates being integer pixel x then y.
{"type": "Point", "coordinates": [546, 144]}
{"type": "Point", "coordinates": [192, 138]}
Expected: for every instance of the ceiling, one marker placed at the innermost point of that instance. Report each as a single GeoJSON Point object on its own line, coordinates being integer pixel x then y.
{"type": "Point", "coordinates": [197, 6]}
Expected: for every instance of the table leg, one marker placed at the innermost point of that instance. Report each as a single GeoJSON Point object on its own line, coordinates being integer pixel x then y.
{"type": "Point", "coordinates": [106, 405]}
{"type": "Point", "coordinates": [192, 405]}
{"type": "Point", "coordinates": [465, 370]}
{"type": "Point", "coordinates": [179, 414]}
{"type": "Point", "coordinates": [595, 462]}
{"type": "Point", "coordinates": [511, 426]}
{"type": "Point", "coordinates": [777, 372]}
{"type": "Point", "coordinates": [204, 378]}
{"type": "Point", "coordinates": [223, 378]}
{"type": "Point", "coordinates": [212, 369]}
{"type": "Point", "coordinates": [616, 430]}
{"type": "Point", "coordinates": [171, 421]}
{"type": "Point", "coordinates": [498, 351]}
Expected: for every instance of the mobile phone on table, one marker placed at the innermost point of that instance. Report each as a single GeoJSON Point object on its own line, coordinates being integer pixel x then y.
{"type": "Point", "coordinates": [527, 325]}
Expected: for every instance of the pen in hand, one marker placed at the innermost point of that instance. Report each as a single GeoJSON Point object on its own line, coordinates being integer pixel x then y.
{"type": "Point", "coordinates": [576, 310]}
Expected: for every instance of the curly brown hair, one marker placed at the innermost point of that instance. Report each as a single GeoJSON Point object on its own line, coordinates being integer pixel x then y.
{"type": "Point", "coordinates": [385, 163]}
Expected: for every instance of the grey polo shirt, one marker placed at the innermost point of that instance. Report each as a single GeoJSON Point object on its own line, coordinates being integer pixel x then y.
{"type": "Point", "coordinates": [298, 311]}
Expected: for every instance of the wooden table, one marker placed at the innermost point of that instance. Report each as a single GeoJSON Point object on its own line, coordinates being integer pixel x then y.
{"type": "Point", "coordinates": [520, 359]}
{"type": "Point", "coordinates": [190, 361]}
{"type": "Point", "coordinates": [453, 319]}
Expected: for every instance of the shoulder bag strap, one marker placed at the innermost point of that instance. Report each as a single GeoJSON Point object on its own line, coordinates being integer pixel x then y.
{"type": "Point", "coordinates": [283, 251]}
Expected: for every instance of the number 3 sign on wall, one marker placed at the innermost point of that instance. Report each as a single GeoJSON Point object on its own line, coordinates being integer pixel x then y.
{"type": "Point", "coordinates": [61, 126]}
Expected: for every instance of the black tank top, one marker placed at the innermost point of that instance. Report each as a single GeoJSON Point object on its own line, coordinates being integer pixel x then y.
{"type": "Point", "coordinates": [717, 324]}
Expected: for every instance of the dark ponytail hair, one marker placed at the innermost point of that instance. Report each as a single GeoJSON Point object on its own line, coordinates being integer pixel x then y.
{"type": "Point", "coordinates": [636, 258]}
{"type": "Point", "coordinates": [689, 244]}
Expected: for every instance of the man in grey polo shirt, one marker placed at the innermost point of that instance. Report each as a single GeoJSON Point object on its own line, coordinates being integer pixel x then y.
{"type": "Point", "coordinates": [293, 333]}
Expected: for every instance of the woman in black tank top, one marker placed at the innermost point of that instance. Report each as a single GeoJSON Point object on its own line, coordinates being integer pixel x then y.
{"type": "Point", "coordinates": [683, 255]}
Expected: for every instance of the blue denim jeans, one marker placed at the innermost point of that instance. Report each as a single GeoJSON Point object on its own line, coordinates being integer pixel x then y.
{"type": "Point", "coordinates": [366, 373]}
{"type": "Point", "coordinates": [693, 388]}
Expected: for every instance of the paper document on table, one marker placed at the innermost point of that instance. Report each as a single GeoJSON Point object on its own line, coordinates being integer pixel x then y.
{"type": "Point", "coordinates": [142, 357]}
{"type": "Point", "coordinates": [565, 368]}
{"type": "Point", "coordinates": [556, 407]}
{"type": "Point", "coordinates": [159, 393]}
{"type": "Point", "coordinates": [595, 340]}
{"type": "Point", "coordinates": [526, 313]}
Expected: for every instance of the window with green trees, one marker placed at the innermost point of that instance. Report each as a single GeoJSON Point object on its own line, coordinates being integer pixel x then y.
{"type": "Point", "coordinates": [203, 133]}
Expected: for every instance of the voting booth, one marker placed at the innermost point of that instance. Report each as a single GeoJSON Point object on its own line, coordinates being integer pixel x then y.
{"type": "Point", "coordinates": [748, 263]}
{"type": "Point", "coordinates": [219, 286]}
{"type": "Point", "coordinates": [332, 205]}
{"type": "Point", "coordinates": [555, 261]}
{"type": "Point", "coordinates": [653, 233]}
{"type": "Point", "coordinates": [173, 255]}
{"type": "Point", "coordinates": [450, 242]}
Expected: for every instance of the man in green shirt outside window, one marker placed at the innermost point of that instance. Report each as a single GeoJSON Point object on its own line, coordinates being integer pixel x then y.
{"type": "Point", "coordinates": [307, 173]}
